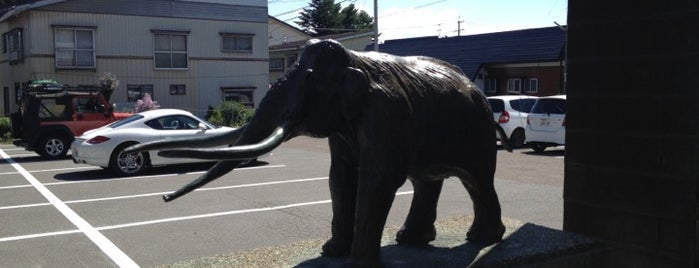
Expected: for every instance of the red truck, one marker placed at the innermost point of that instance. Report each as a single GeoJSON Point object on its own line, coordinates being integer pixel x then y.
{"type": "Point", "coordinates": [51, 114]}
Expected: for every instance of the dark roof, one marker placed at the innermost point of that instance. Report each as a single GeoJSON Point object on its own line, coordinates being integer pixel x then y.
{"type": "Point", "coordinates": [9, 5]}
{"type": "Point", "coordinates": [471, 51]}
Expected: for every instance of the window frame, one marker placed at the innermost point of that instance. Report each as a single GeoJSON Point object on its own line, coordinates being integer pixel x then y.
{"type": "Point", "coordinates": [280, 61]}
{"type": "Point", "coordinates": [170, 52]}
{"type": "Point", "coordinates": [75, 49]}
{"type": "Point", "coordinates": [249, 92]}
{"type": "Point", "coordinates": [8, 47]}
{"type": "Point", "coordinates": [178, 89]}
{"type": "Point", "coordinates": [514, 85]}
{"type": "Point", "coordinates": [490, 85]}
{"type": "Point", "coordinates": [141, 88]}
{"type": "Point", "coordinates": [528, 85]}
{"type": "Point", "coordinates": [236, 37]}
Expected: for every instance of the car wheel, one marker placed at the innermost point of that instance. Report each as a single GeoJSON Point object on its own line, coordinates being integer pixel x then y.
{"type": "Point", "coordinates": [517, 138]}
{"type": "Point", "coordinates": [123, 163]}
{"type": "Point", "coordinates": [538, 147]}
{"type": "Point", "coordinates": [53, 146]}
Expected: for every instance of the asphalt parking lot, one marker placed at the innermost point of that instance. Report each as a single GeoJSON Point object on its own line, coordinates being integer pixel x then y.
{"type": "Point", "coordinates": [59, 214]}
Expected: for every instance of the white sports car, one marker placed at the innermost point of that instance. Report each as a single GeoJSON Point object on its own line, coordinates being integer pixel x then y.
{"type": "Point", "coordinates": [104, 146]}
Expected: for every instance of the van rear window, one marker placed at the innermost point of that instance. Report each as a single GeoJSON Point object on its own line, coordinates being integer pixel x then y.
{"type": "Point", "coordinates": [549, 106]}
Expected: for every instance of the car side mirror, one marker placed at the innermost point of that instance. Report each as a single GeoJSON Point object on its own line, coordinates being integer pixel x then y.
{"type": "Point", "coordinates": [201, 126]}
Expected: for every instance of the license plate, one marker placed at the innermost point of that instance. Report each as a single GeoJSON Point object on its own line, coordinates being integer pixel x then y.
{"type": "Point", "coordinates": [545, 122]}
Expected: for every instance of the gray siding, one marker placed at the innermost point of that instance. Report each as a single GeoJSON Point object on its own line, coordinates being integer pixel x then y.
{"type": "Point", "coordinates": [124, 46]}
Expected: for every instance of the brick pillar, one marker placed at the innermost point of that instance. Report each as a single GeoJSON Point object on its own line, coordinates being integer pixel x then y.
{"type": "Point", "coordinates": [632, 151]}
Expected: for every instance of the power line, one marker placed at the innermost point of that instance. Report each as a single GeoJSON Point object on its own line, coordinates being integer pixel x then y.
{"type": "Point", "coordinates": [417, 7]}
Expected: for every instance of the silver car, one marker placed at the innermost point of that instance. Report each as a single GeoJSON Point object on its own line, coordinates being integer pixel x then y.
{"type": "Point", "coordinates": [104, 146]}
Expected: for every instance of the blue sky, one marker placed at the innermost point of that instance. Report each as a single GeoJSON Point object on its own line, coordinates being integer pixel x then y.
{"type": "Point", "coordinates": [414, 18]}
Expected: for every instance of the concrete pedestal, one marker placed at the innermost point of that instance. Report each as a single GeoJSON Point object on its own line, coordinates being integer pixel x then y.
{"type": "Point", "coordinates": [524, 245]}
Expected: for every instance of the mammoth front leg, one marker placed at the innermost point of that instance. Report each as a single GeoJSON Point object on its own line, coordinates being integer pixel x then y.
{"type": "Point", "coordinates": [419, 226]}
{"type": "Point", "coordinates": [343, 192]}
{"type": "Point", "coordinates": [376, 188]}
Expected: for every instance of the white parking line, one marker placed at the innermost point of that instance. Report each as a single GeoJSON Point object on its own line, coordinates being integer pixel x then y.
{"type": "Point", "coordinates": [162, 193]}
{"type": "Point", "coordinates": [13, 149]}
{"type": "Point", "coordinates": [49, 170]}
{"type": "Point", "coordinates": [183, 218]}
{"type": "Point", "coordinates": [111, 250]}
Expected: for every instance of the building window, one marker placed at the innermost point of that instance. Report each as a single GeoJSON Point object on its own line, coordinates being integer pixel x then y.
{"type": "Point", "coordinates": [170, 50]}
{"type": "Point", "coordinates": [136, 92]}
{"type": "Point", "coordinates": [12, 44]}
{"type": "Point", "coordinates": [178, 90]}
{"type": "Point", "coordinates": [243, 95]}
{"type": "Point", "coordinates": [491, 85]}
{"type": "Point", "coordinates": [290, 60]}
{"type": "Point", "coordinates": [514, 85]}
{"type": "Point", "coordinates": [532, 85]}
{"type": "Point", "coordinates": [75, 48]}
{"type": "Point", "coordinates": [276, 65]}
{"type": "Point", "coordinates": [236, 42]}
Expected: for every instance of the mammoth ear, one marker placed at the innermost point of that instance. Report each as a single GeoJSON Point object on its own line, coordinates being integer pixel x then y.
{"type": "Point", "coordinates": [354, 90]}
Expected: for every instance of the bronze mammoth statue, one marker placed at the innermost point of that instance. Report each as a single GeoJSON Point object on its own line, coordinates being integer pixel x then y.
{"type": "Point", "coordinates": [387, 119]}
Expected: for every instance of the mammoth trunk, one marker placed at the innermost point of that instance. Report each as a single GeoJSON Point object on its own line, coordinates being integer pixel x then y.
{"type": "Point", "coordinates": [248, 147]}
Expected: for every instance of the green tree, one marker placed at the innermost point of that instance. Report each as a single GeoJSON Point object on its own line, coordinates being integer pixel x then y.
{"type": "Point", "coordinates": [351, 18]}
{"type": "Point", "coordinates": [324, 17]}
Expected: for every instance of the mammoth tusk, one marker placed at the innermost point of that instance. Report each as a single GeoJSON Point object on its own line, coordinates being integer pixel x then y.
{"type": "Point", "coordinates": [215, 172]}
{"type": "Point", "coordinates": [221, 139]}
{"type": "Point", "coordinates": [238, 153]}
{"type": "Point", "coordinates": [242, 152]}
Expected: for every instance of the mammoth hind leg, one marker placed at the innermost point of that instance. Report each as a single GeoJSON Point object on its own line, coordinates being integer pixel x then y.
{"type": "Point", "coordinates": [487, 227]}
{"type": "Point", "coordinates": [419, 226]}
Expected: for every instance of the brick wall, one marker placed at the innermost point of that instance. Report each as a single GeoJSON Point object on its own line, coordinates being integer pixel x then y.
{"type": "Point", "coordinates": [632, 144]}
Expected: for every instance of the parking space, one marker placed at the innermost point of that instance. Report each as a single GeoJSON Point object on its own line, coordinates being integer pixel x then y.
{"type": "Point", "coordinates": [107, 221]}
{"type": "Point", "coordinates": [59, 214]}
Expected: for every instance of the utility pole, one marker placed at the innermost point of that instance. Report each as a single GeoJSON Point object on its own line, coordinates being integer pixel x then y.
{"type": "Point", "coordinates": [376, 25]}
{"type": "Point", "coordinates": [458, 30]}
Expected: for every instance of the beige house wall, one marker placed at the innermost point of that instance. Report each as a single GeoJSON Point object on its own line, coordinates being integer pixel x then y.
{"type": "Point", "coordinates": [124, 47]}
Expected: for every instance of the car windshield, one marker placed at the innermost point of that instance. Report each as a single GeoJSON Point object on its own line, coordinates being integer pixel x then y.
{"type": "Point", "coordinates": [549, 106]}
{"type": "Point", "coordinates": [126, 121]}
{"type": "Point", "coordinates": [522, 105]}
{"type": "Point", "coordinates": [497, 105]}
{"type": "Point", "coordinates": [207, 123]}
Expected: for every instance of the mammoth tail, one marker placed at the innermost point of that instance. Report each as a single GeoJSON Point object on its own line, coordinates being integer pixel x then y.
{"type": "Point", "coordinates": [504, 141]}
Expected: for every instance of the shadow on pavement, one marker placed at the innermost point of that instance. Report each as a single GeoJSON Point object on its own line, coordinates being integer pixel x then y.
{"type": "Point", "coordinates": [412, 256]}
{"type": "Point", "coordinates": [178, 169]}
